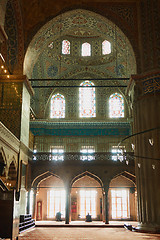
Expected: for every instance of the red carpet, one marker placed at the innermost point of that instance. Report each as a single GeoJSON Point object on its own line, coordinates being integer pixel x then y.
{"type": "Point", "coordinates": [85, 234]}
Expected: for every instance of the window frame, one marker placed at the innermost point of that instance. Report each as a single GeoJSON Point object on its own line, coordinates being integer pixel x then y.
{"type": "Point", "coordinates": [82, 109]}
{"type": "Point", "coordinates": [122, 106]}
{"type": "Point", "coordinates": [63, 107]}
{"type": "Point", "coordinates": [121, 202]}
{"type": "Point", "coordinates": [86, 155]}
{"type": "Point", "coordinates": [110, 47]}
{"type": "Point", "coordinates": [62, 47]}
{"type": "Point", "coordinates": [90, 49]}
{"type": "Point", "coordinates": [57, 153]}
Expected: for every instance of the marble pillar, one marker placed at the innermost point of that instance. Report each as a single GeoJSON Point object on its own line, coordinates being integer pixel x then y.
{"type": "Point", "coordinates": [68, 203]}
{"type": "Point", "coordinates": [145, 95]}
{"type": "Point", "coordinates": [106, 207]}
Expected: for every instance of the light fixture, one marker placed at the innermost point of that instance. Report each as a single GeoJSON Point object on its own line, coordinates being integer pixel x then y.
{"type": "Point", "coordinates": [153, 166]}
{"type": "Point", "coordinates": [35, 150]}
{"type": "Point", "coordinates": [2, 57]}
{"type": "Point", "coordinates": [133, 146]}
{"type": "Point", "coordinates": [151, 141]}
{"type": "Point", "coordinates": [139, 165]}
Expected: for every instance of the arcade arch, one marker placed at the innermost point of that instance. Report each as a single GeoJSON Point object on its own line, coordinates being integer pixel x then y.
{"type": "Point", "coordinates": [86, 197]}
{"type": "Point", "coordinates": [50, 198]}
{"type": "Point", "coordinates": [122, 197]}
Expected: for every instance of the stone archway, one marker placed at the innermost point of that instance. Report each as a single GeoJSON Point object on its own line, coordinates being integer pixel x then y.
{"type": "Point", "coordinates": [86, 197]}
{"type": "Point", "coordinates": [122, 197]}
{"type": "Point", "coordinates": [89, 174]}
{"type": "Point", "coordinates": [49, 197]}
{"type": "Point", "coordinates": [36, 181]}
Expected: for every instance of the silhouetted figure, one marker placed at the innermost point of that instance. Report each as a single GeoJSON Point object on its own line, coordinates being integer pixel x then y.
{"type": "Point", "coordinates": [58, 217]}
{"type": "Point", "coordinates": [88, 218]}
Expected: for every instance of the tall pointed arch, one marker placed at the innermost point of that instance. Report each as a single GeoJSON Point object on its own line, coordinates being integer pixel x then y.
{"type": "Point", "coordinates": [116, 106]}
{"type": "Point", "coordinates": [57, 106]}
{"type": "Point", "coordinates": [39, 178]}
{"type": "Point", "coordinates": [87, 100]}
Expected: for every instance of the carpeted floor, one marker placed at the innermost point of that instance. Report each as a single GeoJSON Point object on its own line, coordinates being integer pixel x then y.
{"type": "Point", "coordinates": [85, 234]}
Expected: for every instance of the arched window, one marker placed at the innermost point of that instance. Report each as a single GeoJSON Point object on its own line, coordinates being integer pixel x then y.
{"type": "Point", "coordinates": [65, 47]}
{"type": "Point", "coordinates": [86, 49]}
{"type": "Point", "coordinates": [116, 106]}
{"type": "Point", "coordinates": [106, 47]}
{"type": "Point", "coordinates": [57, 106]}
{"type": "Point", "coordinates": [87, 101]}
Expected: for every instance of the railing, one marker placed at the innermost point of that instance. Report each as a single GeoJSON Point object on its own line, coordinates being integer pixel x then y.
{"type": "Point", "coordinates": [98, 156]}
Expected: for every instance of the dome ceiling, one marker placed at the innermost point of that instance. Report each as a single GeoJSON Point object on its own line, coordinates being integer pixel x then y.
{"type": "Point", "coordinates": [78, 26]}
{"type": "Point", "coordinates": [44, 58]}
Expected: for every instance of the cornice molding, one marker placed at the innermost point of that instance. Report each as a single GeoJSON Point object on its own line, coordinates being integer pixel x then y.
{"type": "Point", "coordinates": [84, 125]}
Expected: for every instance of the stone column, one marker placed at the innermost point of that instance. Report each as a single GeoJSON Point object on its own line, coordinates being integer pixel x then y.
{"type": "Point", "coordinates": [68, 203]}
{"type": "Point", "coordinates": [105, 198]}
{"type": "Point", "coordinates": [103, 207]}
{"type": "Point", "coordinates": [34, 204]}
{"type": "Point", "coordinates": [28, 202]}
{"type": "Point", "coordinates": [145, 94]}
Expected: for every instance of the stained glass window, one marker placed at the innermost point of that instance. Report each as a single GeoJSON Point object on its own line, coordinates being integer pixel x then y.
{"type": "Point", "coordinates": [87, 102]}
{"type": "Point", "coordinates": [65, 47]}
{"type": "Point", "coordinates": [106, 47]}
{"type": "Point", "coordinates": [116, 106]}
{"type": "Point", "coordinates": [57, 106]}
{"type": "Point", "coordinates": [86, 49]}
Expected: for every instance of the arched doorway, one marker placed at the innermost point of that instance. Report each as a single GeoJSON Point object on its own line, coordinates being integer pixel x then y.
{"type": "Point", "coordinates": [50, 198]}
{"type": "Point", "coordinates": [86, 198]}
{"type": "Point", "coordinates": [122, 198]}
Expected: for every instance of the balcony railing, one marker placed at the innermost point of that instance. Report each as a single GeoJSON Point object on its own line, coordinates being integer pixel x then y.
{"type": "Point", "coordinates": [98, 156]}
